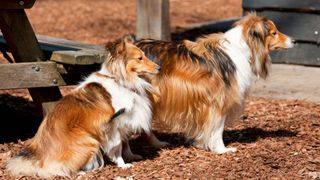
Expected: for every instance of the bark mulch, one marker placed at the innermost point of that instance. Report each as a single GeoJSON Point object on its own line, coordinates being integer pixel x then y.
{"type": "Point", "coordinates": [276, 139]}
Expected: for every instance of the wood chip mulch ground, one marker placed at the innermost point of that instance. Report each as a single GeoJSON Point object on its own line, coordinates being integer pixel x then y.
{"type": "Point", "coordinates": [276, 139]}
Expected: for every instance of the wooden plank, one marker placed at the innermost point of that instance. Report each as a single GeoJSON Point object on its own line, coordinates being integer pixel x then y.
{"type": "Point", "coordinates": [48, 43]}
{"type": "Point", "coordinates": [19, 36]}
{"type": "Point", "coordinates": [73, 74]}
{"type": "Point", "coordinates": [66, 51]}
{"type": "Point", "coordinates": [45, 97]}
{"type": "Point", "coordinates": [311, 6]}
{"type": "Point", "coordinates": [153, 19]}
{"type": "Point", "coordinates": [16, 4]}
{"type": "Point", "coordinates": [301, 26]}
{"type": "Point", "coordinates": [302, 54]}
{"type": "Point", "coordinates": [83, 57]}
{"type": "Point", "coordinates": [24, 47]}
{"type": "Point", "coordinates": [64, 44]}
{"type": "Point", "coordinates": [29, 75]}
{"type": "Point", "coordinates": [194, 31]}
{"type": "Point", "coordinates": [216, 26]}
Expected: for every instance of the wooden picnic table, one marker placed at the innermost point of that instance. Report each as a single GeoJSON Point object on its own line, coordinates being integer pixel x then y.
{"type": "Point", "coordinates": [42, 64]}
{"type": "Point", "coordinates": [25, 49]}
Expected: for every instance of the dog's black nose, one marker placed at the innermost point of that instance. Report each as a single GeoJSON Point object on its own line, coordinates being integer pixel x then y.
{"type": "Point", "coordinates": [159, 68]}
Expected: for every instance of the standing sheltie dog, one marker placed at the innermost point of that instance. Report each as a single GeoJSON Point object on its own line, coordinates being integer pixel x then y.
{"type": "Point", "coordinates": [95, 118]}
{"type": "Point", "coordinates": [203, 84]}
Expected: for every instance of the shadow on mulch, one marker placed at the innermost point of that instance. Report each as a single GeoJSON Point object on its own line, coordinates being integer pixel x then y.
{"type": "Point", "coordinates": [249, 135]}
{"type": "Point", "coordinates": [19, 118]}
{"type": "Point", "coordinates": [140, 145]}
{"type": "Point", "coordinates": [20, 121]}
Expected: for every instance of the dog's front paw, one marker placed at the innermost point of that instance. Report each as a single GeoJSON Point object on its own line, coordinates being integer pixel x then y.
{"type": "Point", "coordinates": [126, 165]}
{"type": "Point", "coordinates": [225, 150]}
{"type": "Point", "coordinates": [81, 173]}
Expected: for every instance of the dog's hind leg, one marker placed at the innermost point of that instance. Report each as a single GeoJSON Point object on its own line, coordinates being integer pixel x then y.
{"type": "Point", "coordinates": [113, 149]}
{"type": "Point", "coordinates": [95, 162]}
{"type": "Point", "coordinates": [215, 142]}
{"type": "Point", "coordinates": [116, 156]}
{"type": "Point", "coordinates": [155, 142]}
{"type": "Point", "coordinates": [128, 154]}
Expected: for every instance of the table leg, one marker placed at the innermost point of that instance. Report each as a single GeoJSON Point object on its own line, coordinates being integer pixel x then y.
{"type": "Point", "coordinates": [24, 47]}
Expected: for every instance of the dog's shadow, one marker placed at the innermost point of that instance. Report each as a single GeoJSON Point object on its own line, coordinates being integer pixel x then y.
{"type": "Point", "coordinates": [19, 118]}
{"type": "Point", "coordinates": [140, 145]}
{"type": "Point", "coordinates": [247, 135]}
{"type": "Point", "coordinates": [20, 121]}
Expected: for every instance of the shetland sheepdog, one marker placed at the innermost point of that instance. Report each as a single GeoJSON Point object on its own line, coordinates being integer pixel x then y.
{"type": "Point", "coordinates": [203, 84]}
{"type": "Point", "coordinates": [95, 118]}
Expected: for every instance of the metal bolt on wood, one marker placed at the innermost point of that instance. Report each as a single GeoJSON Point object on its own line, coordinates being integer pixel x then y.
{"type": "Point", "coordinates": [21, 3]}
{"type": "Point", "coordinates": [36, 68]}
{"type": "Point", "coordinates": [55, 81]}
{"type": "Point", "coordinates": [316, 32]}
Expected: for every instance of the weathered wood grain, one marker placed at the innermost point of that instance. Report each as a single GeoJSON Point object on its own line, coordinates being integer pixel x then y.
{"type": "Point", "coordinates": [19, 36]}
{"type": "Point", "coordinates": [47, 42]}
{"type": "Point", "coordinates": [192, 32]}
{"type": "Point", "coordinates": [82, 57]}
{"type": "Point", "coordinates": [301, 26]}
{"type": "Point", "coordinates": [45, 97]}
{"type": "Point", "coordinates": [24, 47]}
{"type": "Point", "coordinates": [311, 6]}
{"type": "Point", "coordinates": [66, 51]}
{"type": "Point", "coordinates": [29, 75]}
{"type": "Point", "coordinates": [153, 19]}
{"type": "Point", "coordinates": [73, 74]}
{"type": "Point", "coordinates": [302, 54]}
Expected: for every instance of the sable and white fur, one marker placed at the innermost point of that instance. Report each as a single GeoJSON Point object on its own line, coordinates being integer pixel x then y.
{"type": "Point", "coordinates": [203, 84]}
{"type": "Point", "coordinates": [129, 92]}
{"type": "Point", "coordinates": [93, 119]}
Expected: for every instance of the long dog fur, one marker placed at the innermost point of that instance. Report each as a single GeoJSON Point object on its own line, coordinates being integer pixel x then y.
{"type": "Point", "coordinates": [204, 83]}
{"type": "Point", "coordinates": [95, 118]}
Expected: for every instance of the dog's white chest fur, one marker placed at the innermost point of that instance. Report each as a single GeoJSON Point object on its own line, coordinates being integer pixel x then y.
{"type": "Point", "coordinates": [239, 53]}
{"type": "Point", "coordinates": [137, 115]}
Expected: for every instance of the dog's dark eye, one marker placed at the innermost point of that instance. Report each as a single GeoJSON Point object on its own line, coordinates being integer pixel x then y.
{"type": "Point", "coordinates": [274, 33]}
{"type": "Point", "coordinates": [140, 58]}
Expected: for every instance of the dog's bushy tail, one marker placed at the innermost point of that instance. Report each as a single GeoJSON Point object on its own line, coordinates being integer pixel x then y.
{"type": "Point", "coordinates": [27, 164]}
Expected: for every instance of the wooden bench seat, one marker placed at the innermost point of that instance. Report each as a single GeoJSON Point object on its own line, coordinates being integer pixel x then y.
{"type": "Point", "coordinates": [66, 51]}
{"type": "Point", "coordinates": [73, 60]}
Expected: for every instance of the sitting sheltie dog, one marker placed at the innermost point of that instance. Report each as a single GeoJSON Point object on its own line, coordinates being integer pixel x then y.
{"type": "Point", "coordinates": [93, 119]}
{"type": "Point", "coordinates": [203, 84]}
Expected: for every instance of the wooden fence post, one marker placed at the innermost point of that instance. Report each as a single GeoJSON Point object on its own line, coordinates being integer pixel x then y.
{"type": "Point", "coordinates": [153, 19]}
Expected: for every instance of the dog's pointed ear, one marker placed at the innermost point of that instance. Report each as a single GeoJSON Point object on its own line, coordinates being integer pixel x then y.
{"type": "Point", "coordinates": [257, 32]}
{"type": "Point", "coordinates": [129, 39]}
{"type": "Point", "coordinates": [117, 47]}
